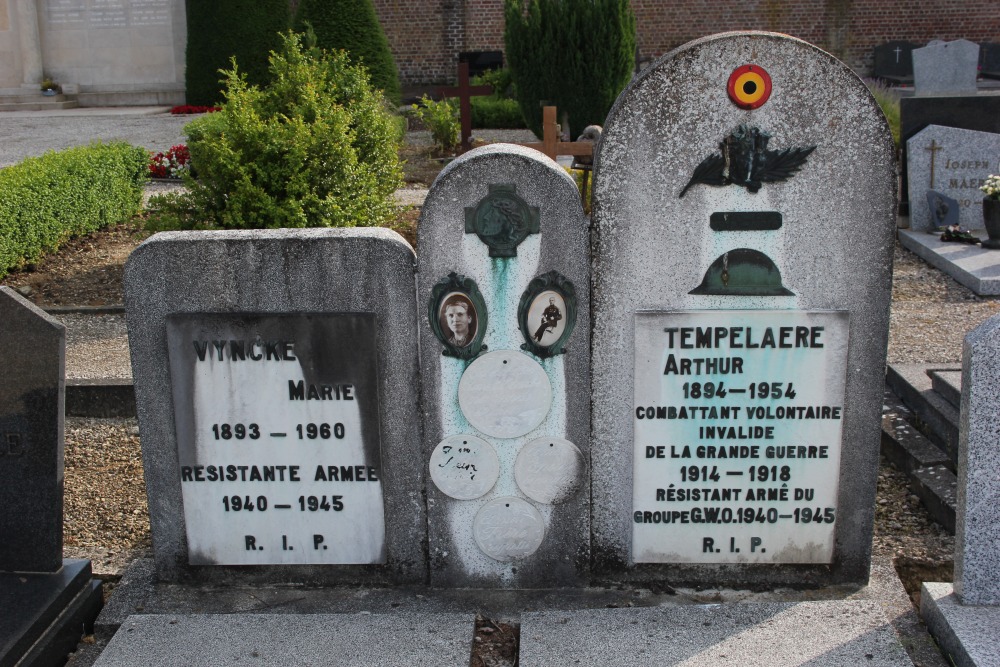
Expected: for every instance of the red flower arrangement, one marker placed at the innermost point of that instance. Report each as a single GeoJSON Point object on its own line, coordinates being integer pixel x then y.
{"type": "Point", "coordinates": [190, 108]}
{"type": "Point", "coordinates": [170, 164]}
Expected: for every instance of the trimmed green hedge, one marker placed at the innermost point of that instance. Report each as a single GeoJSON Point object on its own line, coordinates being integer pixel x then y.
{"type": "Point", "coordinates": [45, 200]}
{"type": "Point", "coordinates": [218, 30]}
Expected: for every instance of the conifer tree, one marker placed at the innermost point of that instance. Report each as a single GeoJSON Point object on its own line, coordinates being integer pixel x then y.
{"type": "Point", "coordinates": [574, 54]}
{"type": "Point", "coordinates": [352, 25]}
{"type": "Point", "coordinates": [219, 30]}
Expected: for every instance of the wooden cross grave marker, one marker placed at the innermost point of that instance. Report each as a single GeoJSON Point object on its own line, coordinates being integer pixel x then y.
{"type": "Point", "coordinates": [464, 92]}
{"type": "Point", "coordinates": [551, 145]}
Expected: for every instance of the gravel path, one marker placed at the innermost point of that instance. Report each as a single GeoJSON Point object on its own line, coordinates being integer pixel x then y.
{"type": "Point", "coordinates": [24, 134]}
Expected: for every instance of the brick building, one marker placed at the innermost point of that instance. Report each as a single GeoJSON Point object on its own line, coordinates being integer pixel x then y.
{"type": "Point", "coordinates": [427, 37]}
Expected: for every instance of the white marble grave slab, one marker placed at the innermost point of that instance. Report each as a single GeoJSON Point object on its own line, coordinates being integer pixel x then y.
{"type": "Point", "coordinates": [738, 423]}
{"type": "Point", "coordinates": [464, 466]}
{"type": "Point", "coordinates": [278, 439]}
{"type": "Point", "coordinates": [505, 394]}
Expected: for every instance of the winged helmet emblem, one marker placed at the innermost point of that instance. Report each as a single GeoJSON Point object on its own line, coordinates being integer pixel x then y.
{"type": "Point", "coordinates": [743, 159]}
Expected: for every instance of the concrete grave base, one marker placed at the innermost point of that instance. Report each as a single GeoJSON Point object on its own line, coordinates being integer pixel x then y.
{"type": "Point", "coordinates": [773, 634]}
{"type": "Point", "coordinates": [975, 267]}
{"type": "Point", "coordinates": [967, 634]}
{"type": "Point", "coordinates": [355, 640]}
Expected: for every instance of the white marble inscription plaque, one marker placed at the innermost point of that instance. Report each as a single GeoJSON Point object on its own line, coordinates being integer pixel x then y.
{"type": "Point", "coordinates": [738, 423]}
{"type": "Point", "coordinates": [508, 528]}
{"type": "Point", "coordinates": [549, 470]}
{"type": "Point", "coordinates": [505, 394]}
{"type": "Point", "coordinates": [464, 466]}
{"type": "Point", "coordinates": [278, 438]}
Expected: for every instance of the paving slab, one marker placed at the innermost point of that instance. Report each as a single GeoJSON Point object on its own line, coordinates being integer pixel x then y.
{"type": "Point", "coordinates": [949, 385]}
{"type": "Point", "coordinates": [912, 383]}
{"type": "Point", "coordinates": [968, 634]}
{"type": "Point", "coordinates": [902, 443]}
{"type": "Point", "coordinates": [973, 266]}
{"type": "Point", "coordinates": [773, 634]}
{"type": "Point", "coordinates": [264, 640]}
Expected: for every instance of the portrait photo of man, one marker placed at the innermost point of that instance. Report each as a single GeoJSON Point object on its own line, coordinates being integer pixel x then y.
{"type": "Point", "coordinates": [458, 320]}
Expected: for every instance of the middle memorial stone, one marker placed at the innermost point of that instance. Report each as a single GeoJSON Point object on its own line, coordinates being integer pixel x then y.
{"type": "Point", "coordinates": [504, 284]}
{"type": "Point", "coordinates": [744, 196]}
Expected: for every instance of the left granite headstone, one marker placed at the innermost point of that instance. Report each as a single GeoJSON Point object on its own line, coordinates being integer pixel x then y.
{"type": "Point", "coordinates": [44, 600]}
{"type": "Point", "coordinates": [276, 376]}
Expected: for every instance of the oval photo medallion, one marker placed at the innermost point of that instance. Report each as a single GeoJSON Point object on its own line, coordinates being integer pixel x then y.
{"type": "Point", "coordinates": [546, 320]}
{"type": "Point", "coordinates": [549, 470]}
{"type": "Point", "coordinates": [508, 528]}
{"type": "Point", "coordinates": [464, 467]}
{"type": "Point", "coordinates": [505, 394]}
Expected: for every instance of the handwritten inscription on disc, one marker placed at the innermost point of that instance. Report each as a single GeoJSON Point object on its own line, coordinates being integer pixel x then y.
{"type": "Point", "coordinates": [508, 528]}
{"type": "Point", "coordinates": [505, 394]}
{"type": "Point", "coordinates": [549, 470]}
{"type": "Point", "coordinates": [464, 466]}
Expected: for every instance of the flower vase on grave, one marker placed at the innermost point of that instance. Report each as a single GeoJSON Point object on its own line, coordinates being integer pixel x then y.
{"type": "Point", "coordinates": [991, 220]}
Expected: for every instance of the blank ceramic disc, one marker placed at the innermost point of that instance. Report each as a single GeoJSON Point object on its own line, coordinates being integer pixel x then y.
{"type": "Point", "coordinates": [508, 528]}
{"type": "Point", "coordinates": [549, 470]}
{"type": "Point", "coordinates": [464, 466]}
{"type": "Point", "coordinates": [505, 394]}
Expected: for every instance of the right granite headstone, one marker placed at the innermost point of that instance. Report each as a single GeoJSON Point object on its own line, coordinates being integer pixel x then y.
{"type": "Point", "coordinates": [744, 215]}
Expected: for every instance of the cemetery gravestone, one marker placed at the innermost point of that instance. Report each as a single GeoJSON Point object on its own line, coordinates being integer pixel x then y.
{"type": "Point", "coordinates": [45, 602]}
{"type": "Point", "coordinates": [894, 63]}
{"type": "Point", "coordinates": [31, 437]}
{"type": "Point", "coordinates": [955, 163]}
{"type": "Point", "coordinates": [741, 300]}
{"type": "Point", "coordinates": [977, 532]}
{"type": "Point", "coordinates": [503, 279]}
{"type": "Point", "coordinates": [286, 433]}
{"type": "Point", "coordinates": [946, 68]}
{"type": "Point", "coordinates": [964, 616]}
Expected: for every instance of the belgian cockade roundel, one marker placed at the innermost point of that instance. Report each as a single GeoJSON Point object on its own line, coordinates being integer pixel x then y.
{"type": "Point", "coordinates": [749, 86]}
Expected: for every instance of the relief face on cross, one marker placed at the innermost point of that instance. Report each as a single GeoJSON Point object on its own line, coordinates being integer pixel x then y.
{"type": "Point", "coordinates": [502, 220]}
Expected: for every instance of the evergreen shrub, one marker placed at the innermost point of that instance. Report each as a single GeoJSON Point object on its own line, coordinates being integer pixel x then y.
{"type": "Point", "coordinates": [316, 147]}
{"type": "Point", "coordinates": [352, 25]}
{"type": "Point", "coordinates": [499, 110]}
{"type": "Point", "coordinates": [48, 199]}
{"type": "Point", "coordinates": [443, 119]}
{"type": "Point", "coordinates": [220, 30]}
{"type": "Point", "coordinates": [577, 55]}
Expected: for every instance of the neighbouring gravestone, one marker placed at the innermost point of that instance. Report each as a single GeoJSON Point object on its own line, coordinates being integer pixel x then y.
{"type": "Point", "coordinates": [894, 62]}
{"type": "Point", "coordinates": [946, 68]}
{"type": "Point", "coordinates": [977, 533]}
{"type": "Point", "coordinates": [964, 616]}
{"type": "Point", "coordinates": [503, 280]}
{"type": "Point", "coordinates": [955, 163]}
{"type": "Point", "coordinates": [45, 602]}
{"type": "Point", "coordinates": [744, 204]}
{"type": "Point", "coordinates": [275, 376]}
{"type": "Point", "coordinates": [31, 437]}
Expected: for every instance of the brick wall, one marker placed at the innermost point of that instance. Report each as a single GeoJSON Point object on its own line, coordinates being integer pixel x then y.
{"type": "Point", "coordinates": [426, 37]}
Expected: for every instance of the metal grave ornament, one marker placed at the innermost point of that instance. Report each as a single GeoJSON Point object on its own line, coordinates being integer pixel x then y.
{"type": "Point", "coordinates": [749, 86]}
{"type": "Point", "coordinates": [743, 159]}
{"type": "Point", "coordinates": [508, 528]}
{"type": "Point", "coordinates": [742, 272]}
{"type": "Point", "coordinates": [546, 314]}
{"type": "Point", "coordinates": [458, 316]}
{"type": "Point", "coordinates": [549, 470]}
{"type": "Point", "coordinates": [502, 220]}
{"type": "Point", "coordinates": [505, 394]}
{"type": "Point", "coordinates": [464, 466]}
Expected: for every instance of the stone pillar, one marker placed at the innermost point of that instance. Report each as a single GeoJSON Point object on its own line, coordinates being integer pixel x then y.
{"type": "Point", "coordinates": [31, 44]}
